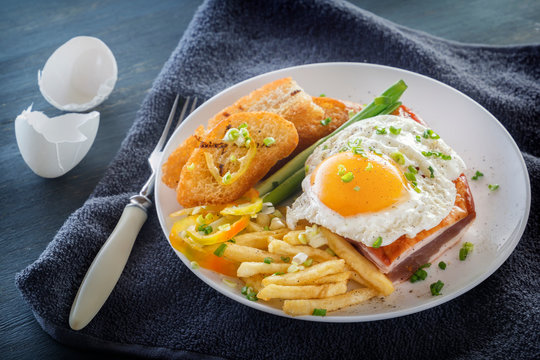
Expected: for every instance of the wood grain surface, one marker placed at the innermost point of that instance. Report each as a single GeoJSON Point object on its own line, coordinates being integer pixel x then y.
{"type": "Point", "coordinates": [141, 34]}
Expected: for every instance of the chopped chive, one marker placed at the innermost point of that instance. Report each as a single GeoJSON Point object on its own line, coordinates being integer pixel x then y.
{"type": "Point", "coordinates": [326, 121]}
{"type": "Point", "coordinates": [395, 131]}
{"type": "Point", "coordinates": [493, 187]}
{"type": "Point", "coordinates": [431, 172]}
{"type": "Point", "coordinates": [375, 150]}
{"type": "Point", "coordinates": [398, 158]}
{"type": "Point", "coordinates": [369, 167]}
{"type": "Point", "coordinates": [322, 95]}
{"type": "Point", "coordinates": [278, 273]}
{"type": "Point", "coordinates": [430, 134]}
{"type": "Point", "coordinates": [220, 250]}
{"type": "Point", "coordinates": [410, 176]}
{"type": "Point", "coordinates": [268, 260]}
{"type": "Point", "coordinates": [269, 141]}
{"type": "Point", "coordinates": [477, 175]}
{"type": "Point", "coordinates": [341, 170]}
{"type": "Point", "coordinates": [380, 131]}
{"type": "Point", "coordinates": [319, 312]}
{"type": "Point", "coordinates": [442, 265]}
{"type": "Point", "coordinates": [308, 262]}
{"type": "Point", "coordinates": [226, 178]}
{"type": "Point", "coordinates": [446, 157]}
{"type": "Point", "coordinates": [244, 290]}
{"type": "Point", "coordinates": [420, 273]}
{"type": "Point", "coordinates": [412, 169]}
{"type": "Point", "coordinates": [465, 250]}
{"type": "Point", "coordinates": [243, 125]}
{"type": "Point", "coordinates": [377, 243]}
{"type": "Point", "coordinates": [436, 288]}
{"type": "Point", "coordinates": [285, 259]}
{"type": "Point", "coordinates": [348, 177]}
{"type": "Point", "coordinates": [418, 138]}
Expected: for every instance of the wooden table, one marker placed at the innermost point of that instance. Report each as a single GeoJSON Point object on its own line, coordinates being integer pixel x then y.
{"type": "Point", "coordinates": [141, 35]}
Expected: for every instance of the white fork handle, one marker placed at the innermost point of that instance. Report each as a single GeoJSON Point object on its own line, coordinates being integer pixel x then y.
{"type": "Point", "coordinates": [107, 267]}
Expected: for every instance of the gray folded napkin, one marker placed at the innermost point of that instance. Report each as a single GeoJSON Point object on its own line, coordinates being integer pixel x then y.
{"type": "Point", "coordinates": [160, 309]}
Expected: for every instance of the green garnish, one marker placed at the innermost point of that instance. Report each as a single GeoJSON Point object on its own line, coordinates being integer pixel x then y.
{"type": "Point", "coordinates": [243, 125]}
{"type": "Point", "coordinates": [319, 312]}
{"type": "Point", "coordinates": [194, 265]}
{"type": "Point", "coordinates": [418, 138]}
{"type": "Point", "coordinates": [326, 121]}
{"type": "Point", "coordinates": [278, 273]}
{"type": "Point", "coordinates": [330, 251]}
{"type": "Point", "coordinates": [322, 95]}
{"type": "Point", "coordinates": [308, 262]}
{"type": "Point", "coordinates": [191, 166]}
{"type": "Point", "coordinates": [437, 154]}
{"type": "Point", "coordinates": [429, 134]}
{"type": "Point", "coordinates": [398, 158]}
{"type": "Point", "coordinates": [377, 243]}
{"type": "Point", "coordinates": [395, 131]}
{"type": "Point", "coordinates": [356, 188]}
{"type": "Point", "coordinates": [220, 250]}
{"type": "Point", "coordinates": [244, 290]}
{"type": "Point", "coordinates": [375, 150]}
{"type": "Point", "coordinates": [412, 169]}
{"type": "Point", "coordinates": [477, 175]}
{"type": "Point", "coordinates": [226, 178]}
{"type": "Point", "coordinates": [419, 274]}
{"type": "Point", "coordinates": [410, 176]}
{"type": "Point", "coordinates": [268, 260]}
{"type": "Point", "coordinates": [206, 229]}
{"type": "Point", "coordinates": [369, 166]}
{"type": "Point", "coordinates": [231, 134]}
{"type": "Point", "coordinates": [442, 265]}
{"type": "Point", "coordinates": [436, 288]}
{"type": "Point", "coordinates": [341, 170]}
{"type": "Point", "coordinates": [249, 292]}
{"type": "Point", "coordinates": [431, 172]}
{"type": "Point", "coordinates": [347, 177]}
{"type": "Point", "coordinates": [465, 250]}
{"type": "Point", "coordinates": [269, 141]}
{"type": "Point", "coordinates": [285, 259]}
{"type": "Point", "coordinates": [493, 187]}
{"type": "Point", "coordinates": [380, 131]}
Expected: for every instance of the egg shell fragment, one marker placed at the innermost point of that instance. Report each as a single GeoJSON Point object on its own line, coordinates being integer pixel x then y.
{"type": "Point", "coordinates": [79, 75]}
{"type": "Point", "coordinates": [53, 146]}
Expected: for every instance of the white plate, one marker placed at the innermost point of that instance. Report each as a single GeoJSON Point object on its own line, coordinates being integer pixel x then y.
{"type": "Point", "coordinates": [465, 125]}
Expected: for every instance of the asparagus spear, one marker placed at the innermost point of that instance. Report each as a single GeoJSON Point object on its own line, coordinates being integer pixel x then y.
{"type": "Point", "coordinates": [290, 172]}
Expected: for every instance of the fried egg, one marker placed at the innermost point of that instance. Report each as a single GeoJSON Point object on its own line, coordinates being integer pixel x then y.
{"type": "Point", "coordinates": [377, 180]}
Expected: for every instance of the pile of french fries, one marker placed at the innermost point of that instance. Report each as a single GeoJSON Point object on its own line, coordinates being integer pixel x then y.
{"type": "Point", "coordinates": [314, 287]}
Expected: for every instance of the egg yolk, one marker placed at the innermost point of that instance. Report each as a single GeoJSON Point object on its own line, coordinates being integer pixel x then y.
{"type": "Point", "coordinates": [353, 184]}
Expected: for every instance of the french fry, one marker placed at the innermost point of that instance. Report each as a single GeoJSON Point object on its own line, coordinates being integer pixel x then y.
{"type": "Point", "coordinates": [363, 266]}
{"type": "Point", "coordinates": [241, 253]}
{"type": "Point", "coordinates": [259, 239]}
{"type": "Point", "coordinates": [254, 281]}
{"type": "Point", "coordinates": [247, 269]}
{"type": "Point", "coordinates": [339, 277]}
{"type": "Point", "coordinates": [291, 237]}
{"type": "Point", "coordinates": [306, 307]}
{"type": "Point", "coordinates": [281, 247]}
{"type": "Point", "coordinates": [307, 276]}
{"type": "Point", "coordinates": [274, 291]}
{"type": "Point", "coordinates": [354, 276]}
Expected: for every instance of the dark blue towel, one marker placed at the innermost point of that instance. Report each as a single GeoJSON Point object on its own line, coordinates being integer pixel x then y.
{"type": "Point", "coordinates": [160, 309]}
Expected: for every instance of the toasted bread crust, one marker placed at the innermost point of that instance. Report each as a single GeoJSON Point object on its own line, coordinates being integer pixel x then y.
{"type": "Point", "coordinates": [197, 186]}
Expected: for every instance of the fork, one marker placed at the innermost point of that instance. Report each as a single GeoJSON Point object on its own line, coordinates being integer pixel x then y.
{"type": "Point", "coordinates": [105, 270]}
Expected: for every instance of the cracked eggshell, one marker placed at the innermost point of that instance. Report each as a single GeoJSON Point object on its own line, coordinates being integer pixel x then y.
{"type": "Point", "coordinates": [53, 146]}
{"type": "Point", "coordinates": [79, 75]}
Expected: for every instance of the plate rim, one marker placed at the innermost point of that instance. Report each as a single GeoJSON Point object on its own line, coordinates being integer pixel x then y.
{"type": "Point", "coordinates": [515, 236]}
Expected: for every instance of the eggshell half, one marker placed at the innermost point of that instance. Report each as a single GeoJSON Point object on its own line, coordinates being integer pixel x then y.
{"type": "Point", "coordinates": [79, 75]}
{"type": "Point", "coordinates": [53, 146]}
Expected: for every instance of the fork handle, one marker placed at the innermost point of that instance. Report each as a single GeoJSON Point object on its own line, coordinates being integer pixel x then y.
{"type": "Point", "coordinates": [108, 264]}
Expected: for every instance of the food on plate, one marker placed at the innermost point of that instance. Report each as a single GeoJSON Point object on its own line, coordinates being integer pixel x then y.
{"type": "Point", "coordinates": [222, 168]}
{"type": "Point", "coordinates": [382, 196]}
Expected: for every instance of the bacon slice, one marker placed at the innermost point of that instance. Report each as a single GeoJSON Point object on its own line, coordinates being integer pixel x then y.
{"type": "Point", "coordinates": [400, 259]}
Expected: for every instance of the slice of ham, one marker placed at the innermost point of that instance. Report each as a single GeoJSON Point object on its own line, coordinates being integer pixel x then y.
{"type": "Point", "coordinates": [402, 258]}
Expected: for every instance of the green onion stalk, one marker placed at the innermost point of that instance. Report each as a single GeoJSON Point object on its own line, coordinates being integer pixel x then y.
{"type": "Point", "coordinates": [284, 182]}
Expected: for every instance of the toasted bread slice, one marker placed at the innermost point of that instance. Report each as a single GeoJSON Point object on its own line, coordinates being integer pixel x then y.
{"type": "Point", "coordinates": [283, 97]}
{"type": "Point", "coordinates": [197, 185]}
{"type": "Point", "coordinates": [175, 162]}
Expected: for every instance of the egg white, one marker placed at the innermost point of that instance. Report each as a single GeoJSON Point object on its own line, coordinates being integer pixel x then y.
{"type": "Point", "coordinates": [420, 211]}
